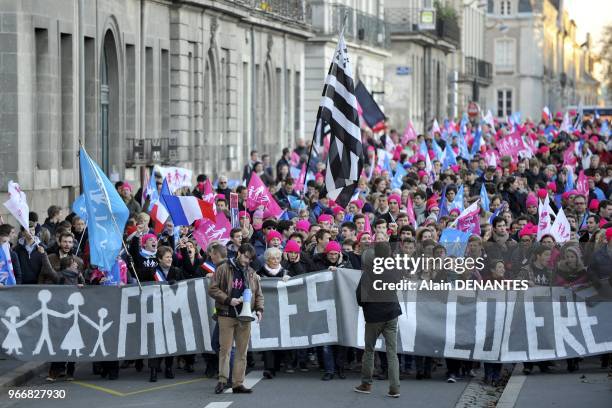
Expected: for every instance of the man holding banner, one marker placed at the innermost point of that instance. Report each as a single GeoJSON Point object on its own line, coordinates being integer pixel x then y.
{"type": "Point", "coordinates": [236, 290]}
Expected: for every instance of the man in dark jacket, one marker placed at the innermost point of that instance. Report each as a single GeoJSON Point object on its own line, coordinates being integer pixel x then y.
{"type": "Point", "coordinates": [30, 259]}
{"type": "Point", "coordinates": [380, 310]}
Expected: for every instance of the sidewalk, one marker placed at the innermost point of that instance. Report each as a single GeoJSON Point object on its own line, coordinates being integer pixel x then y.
{"type": "Point", "coordinates": [590, 386]}
{"type": "Point", "coordinates": [14, 373]}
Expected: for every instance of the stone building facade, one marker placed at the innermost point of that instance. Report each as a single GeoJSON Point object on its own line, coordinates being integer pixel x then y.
{"type": "Point", "coordinates": [537, 60]}
{"type": "Point", "coordinates": [194, 83]}
{"type": "Point", "coordinates": [418, 75]}
{"type": "Point", "coordinates": [365, 37]}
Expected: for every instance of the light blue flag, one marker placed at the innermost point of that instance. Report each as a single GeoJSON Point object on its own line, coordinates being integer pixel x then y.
{"type": "Point", "coordinates": [7, 276]}
{"type": "Point", "coordinates": [152, 189]}
{"type": "Point", "coordinates": [400, 172]}
{"type": "Point", "coordinates": [484, 198]}
{"type": "Point", "coordinates": [437, 149]}
{"type": "Point", "coordinates": [605, 129]}
{"type": "Point", "coordinates": [443, 205]}
{"type": "Point", "coordinates": [107, 210]}
{"type": "Point", "coordinates": [79, 207]}
{"type": "Point", "coordinates": [497, 212]}
{"type": "Point", "coordinates": [423, 148]}
{"type": "Point", "coordinates": [477, 140]}
{"type": "Point", "coordinates": [295, 203]}
{"type": "Point", "coordinates": [463, 124]}
{"type": "Point", "coordinates": [569, 183]}
{"type": "Point", "coordinates": [113, 277]}
{"type": "Point", "coordinates": [458, 201]}
{"type": "Point", "coordinates": [450, 159]}
{"type": "Point", "coordinates": [387, 163]}
{"type": "Point", "coordinates": [454, 241]}
{"type": "Point", "coordinates": [463, 149]}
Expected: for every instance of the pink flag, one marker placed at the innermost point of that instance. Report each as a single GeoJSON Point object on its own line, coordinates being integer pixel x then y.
{"type": "Point", "coordinates": [511, 145]}
{"type": "Point", "coordinates": [295, 159]}
{"type": "Point", "coordinates": [259, 196]}
{"type": "Point", "coordinates": [207, 231]}
{"type": "Point", "coordinates": [409, 133]}
{"type": "Point", "coordinates": [469, 219]}
{"type": "Point", "coordinates": [209, 195]}
{"type": "Point", "coordinates": [367, 228]}
{"type": "Point", "coordinates": [581, 185]}
{"type": "Point", "coordinates": [569, 159]}
{"type": "Point", "coordinates": [299, 184]}
{"type": "Point", "coordinates": [410, 211]}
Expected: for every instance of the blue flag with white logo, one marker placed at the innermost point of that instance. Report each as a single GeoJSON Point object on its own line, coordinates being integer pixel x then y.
{"type": "Point", "coordinates": [484, 198]}
{"type": "Point", "coordinates": [477, 140]}
{"type": "Point", "coordinates": [454, 241]}
{"type": "Point", "coordinates": [107, 211]}
{"type": "Point", "coordinates": [458, 201]}
{"type": "Point", "coordinates": [450, 159]}
{"type": "Point", "coordinates": [7, 276]}
{"type": "Point", "coordinates": [80, 208]}
{"type": "Point", "coordinates": [437, 149]}
{"type": "Point", "coordinates": [397, 180]}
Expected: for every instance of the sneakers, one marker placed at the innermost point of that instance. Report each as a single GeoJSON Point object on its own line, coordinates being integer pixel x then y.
{"type": "Point", "coordinates": [393, 393]}
{"type": "Point", "coordinates": [451, 379]}
{"type": "Point", "coordinates": [303, 367]}
{"type": "Point", "coordinates": [241, 389]}
{"type": "Point", "coordinates": [327, 377]}
{"type": "Point", "coordinates": [363, 388]}
{"type": "Point", "coordinates": [51, 378]}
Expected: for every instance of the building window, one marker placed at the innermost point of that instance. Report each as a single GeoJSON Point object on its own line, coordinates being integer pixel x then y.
{"type": "Point", "coordinates": [505, 7]}
{"type": "Point", "coordinates": [504, 102]}
{"type": "Point", "coordinates": [504, 55]}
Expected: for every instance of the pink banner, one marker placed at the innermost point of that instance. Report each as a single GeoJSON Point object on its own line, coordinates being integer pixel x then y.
{"type": "Point", "coordinates": [209, 195]}
{"type": "Point", "coordinates": [259, 196]}
{"type": "Point", "coordinates": [582, 186]}
{"type": "Point", "coordinates": [207, 231]}
{"type": "Point", "coordinates": [469, 219]}
{"type": "Point", "coordinates": [511, 145]}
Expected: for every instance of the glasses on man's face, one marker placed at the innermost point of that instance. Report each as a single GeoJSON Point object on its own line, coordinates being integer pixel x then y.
{"type": "Point", "coordinates": [579, 203]}
{"type": "Point", "coordinates": [223, 182]}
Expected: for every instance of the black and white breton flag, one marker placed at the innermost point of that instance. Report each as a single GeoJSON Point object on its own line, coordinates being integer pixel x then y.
{"type": "Point", "coordinates": [338, 112]}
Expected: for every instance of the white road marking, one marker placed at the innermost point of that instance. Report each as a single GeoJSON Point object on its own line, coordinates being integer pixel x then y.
{"type": "Point", "coordinates": [250, 380]}
{"type": "Point", "coordinates": [224, 404]}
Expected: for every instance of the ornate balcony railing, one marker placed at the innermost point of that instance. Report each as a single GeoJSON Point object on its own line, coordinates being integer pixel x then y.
{"type": "Point", "coordinates": [288, 9]}
{"type": "Point", "coordinates": [479, 69]}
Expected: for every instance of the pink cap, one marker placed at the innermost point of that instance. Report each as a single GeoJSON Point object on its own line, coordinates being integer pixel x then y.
{"type": "Point", "coordinates": [127, 186]}
{"type": "Point", "coordinates": [594, 205]}
{"type": "Point", "coordinates": [337, 210]}
{"type": "Point", "coordinates": [421, 173]}
{"type": "Point", "coordinates": [273, 234]}
{"type": "Point", "coordinates": [244, 214]}
{"type": "Point", "coordinates": [528, 229]}
{"type": "Point", "coordinates": [531, 201]}
{"type": "Point", "coordinates": [325, 218]}
{"type": "Point", "coordinates": [220, 197]}
{"type": "Point", "coordinates": [395, 197]}
{"type": "Point", "coordinates": [361, 234]}
{"type": "Point", "coordinates": [333, 246]}
{"type": "Point", "coordinates": [609, 234]}
{"type": "Point", "coordinates": [455, 210]}
{"type": "Point", "coordinates": [552, 186]}
{"type": "Point", "coordinates": [292, 246]}
{"type": "Point", "coordinates": [359, 203]}
{"type": "Point", "coordinates": [146, 237]}
{"type": "Point", "coordinates": [302, 225]}
{"type": "Point", "coordinates": [542, 193]}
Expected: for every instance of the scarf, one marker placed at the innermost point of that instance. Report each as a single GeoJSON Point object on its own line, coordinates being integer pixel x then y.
{"type": "Point", "coordinates": [147, 254]}
{"type": "Point", "coordinates": [273, 272]}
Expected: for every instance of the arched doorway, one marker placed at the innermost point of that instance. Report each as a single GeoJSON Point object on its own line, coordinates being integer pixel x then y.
{"type": "Point", "coordinates": [109, 149]}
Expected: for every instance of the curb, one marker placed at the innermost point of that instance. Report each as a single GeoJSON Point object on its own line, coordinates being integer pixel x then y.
{"type": "Point", "coordinates": [22, 374]}
{"type": "Point", "coordinates": [512, 389]}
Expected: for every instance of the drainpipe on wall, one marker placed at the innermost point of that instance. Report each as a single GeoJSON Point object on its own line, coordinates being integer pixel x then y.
{"type": "Point", "coordinates": [253, 96]}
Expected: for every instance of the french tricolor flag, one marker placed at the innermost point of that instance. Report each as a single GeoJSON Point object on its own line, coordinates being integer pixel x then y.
{"type": "Point", "coordinates": [208, 267]}
{"type": "Point", "coordinates": [184, 210]}
{"type": "Point", "coordinates": [159, 276]}
{"type": "Point", "coordinates": [159, 215]}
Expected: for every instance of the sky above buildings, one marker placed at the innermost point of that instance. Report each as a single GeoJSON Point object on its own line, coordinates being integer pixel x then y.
{"type": "Point", "coordinates": [590, 16]}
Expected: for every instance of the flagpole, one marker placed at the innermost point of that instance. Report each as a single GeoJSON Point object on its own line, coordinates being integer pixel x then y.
{"type": "Point", "coordinates": [340, 35]}
{"type": "Point", "coordinates": [82, 236]}
{"type": "Point", "coordinates": [110, 210]}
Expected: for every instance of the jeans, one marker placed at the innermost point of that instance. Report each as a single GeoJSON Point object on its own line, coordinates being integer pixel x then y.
{"type": "Point", "coordinates": [389, 331]}
{"type": "Point", "coordinates": [492, 371]}
{"type": "Point", "coordinates": [334, 358]}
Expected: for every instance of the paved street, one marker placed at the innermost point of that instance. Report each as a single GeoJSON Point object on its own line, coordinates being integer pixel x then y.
{"type": "Point", "coordinates": [590, 387]}
{"type": "Point", "coordinates": [192, 390]}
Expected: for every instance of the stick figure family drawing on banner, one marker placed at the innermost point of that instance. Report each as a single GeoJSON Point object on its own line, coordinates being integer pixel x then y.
{"type": "Point", "coordinates": [73, 341]}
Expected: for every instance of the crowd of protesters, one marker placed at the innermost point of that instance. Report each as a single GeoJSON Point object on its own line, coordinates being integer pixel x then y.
{"type": "Point", "coordinates": [324, 236]}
